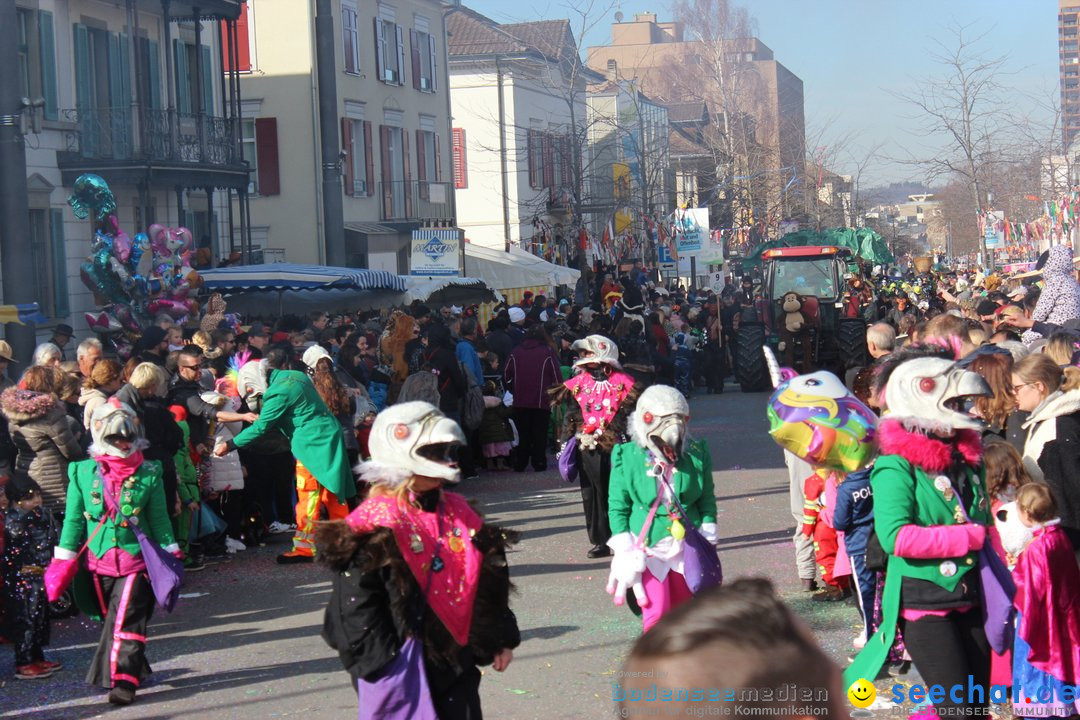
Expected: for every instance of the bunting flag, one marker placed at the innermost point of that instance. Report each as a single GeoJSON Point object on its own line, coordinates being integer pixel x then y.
{"type": "Point", "coordinates": [25, 314]}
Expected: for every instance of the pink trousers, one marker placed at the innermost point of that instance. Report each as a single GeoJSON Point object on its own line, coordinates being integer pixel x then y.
{"type": "Point", "coordinates": [663, 596]}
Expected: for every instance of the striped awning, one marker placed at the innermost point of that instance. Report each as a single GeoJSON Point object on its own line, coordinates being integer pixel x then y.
{"type": "Point", "coordinates": [289, 276]}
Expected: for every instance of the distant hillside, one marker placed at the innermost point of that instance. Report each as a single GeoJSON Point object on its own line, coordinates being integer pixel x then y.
{"type": "Point", "coordinates": [893, 193]}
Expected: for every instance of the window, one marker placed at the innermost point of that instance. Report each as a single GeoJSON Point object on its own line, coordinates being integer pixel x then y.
{"type": "Point", "coordinates": [358, 166]}
{"type": "Point", "coordinates": [350, 35]}
{"type": "Point", "coordinates": [535, 150]}
{"type": "Point", "coordinates": [389, 51]}
{"type": "Point", "coordinates": [423, 60]}
{"type": "Point", "coordinates": [427, 156]}
{"type": "Point", "coordinates": [189, 102]}
{"type": "Point", "coordinates": [37, 57]}
{"type": "Point", "coordinates": [250, 154]}
{"type": "Point", "coordinates": [396, 172]}
{"type": "Point", "coordinates": [50, 260]}
{"type": "Point", "coordinates": [457, 153]}
{"type": "Point", "coordinates": [149, 82]}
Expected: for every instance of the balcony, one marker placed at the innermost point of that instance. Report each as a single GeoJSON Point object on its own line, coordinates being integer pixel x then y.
{"type": "Point", "coordinates": [415, 200]}
{"type": "Point", "coordinates": [204, 148]}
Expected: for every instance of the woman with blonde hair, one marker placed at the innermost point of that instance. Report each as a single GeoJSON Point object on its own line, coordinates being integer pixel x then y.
{"type": "Point", "coordinates": [1061, 347]}
{"type": "Point", "coordinates": [105, 379]}
{"type": "Point", "coordinates": [1052, 447]}
{"type": "Point", "coordinates": [994, 410]}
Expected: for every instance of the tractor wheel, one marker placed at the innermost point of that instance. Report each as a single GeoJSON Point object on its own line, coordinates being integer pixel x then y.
{"type": "Point", "coordinates": [751, 370]}
{"type": "Point", "coordinates": [63, 606]}
{"type": "Point", "coordinates": [851, 343]}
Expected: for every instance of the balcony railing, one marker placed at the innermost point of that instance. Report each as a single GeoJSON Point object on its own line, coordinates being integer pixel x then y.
{"type": "Point", "coordinates": [158, 135]}
{"type": "Point", "coordinates": [415, 200]}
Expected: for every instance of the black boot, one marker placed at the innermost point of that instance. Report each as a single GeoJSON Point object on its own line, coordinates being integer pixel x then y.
{"type": "Point", "coordinates": [599, 551]}
{"type": "Point", "coordinates": [123, 693]}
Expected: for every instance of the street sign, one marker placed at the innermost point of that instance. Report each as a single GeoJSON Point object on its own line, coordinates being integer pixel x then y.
{"type": "Point", "coordinates": [716, 280]}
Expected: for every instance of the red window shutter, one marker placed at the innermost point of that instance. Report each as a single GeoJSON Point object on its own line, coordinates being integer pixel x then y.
{"type": "Point", "coordinates": [408, 173]}
{"type": "Point", "coordinates": [457, 158]}
{"type": "Point", "coordinates": [243, 48]}
{"type": "Point", "coordinates": [369, 159]}
{"type": "Point", "coordinates": [266, 155]}
{"type": "Point", "coordinates": [414, 46]}
{"type": "Point", "coordinates": [346, 144]}
{"type": "Point", "coordinates": [387, 177]}
{"type": "Point", "coordinates": [438, 160]}
{"type": "Point", "coordinates": [421, 161]}
{"type": "Point", "coordinates": [549, 165]}
{"type": "Point", "coordinates": [567, 164]}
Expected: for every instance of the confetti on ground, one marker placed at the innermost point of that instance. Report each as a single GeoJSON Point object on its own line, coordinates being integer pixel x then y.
{"type": "Point", "coordinates": [517, 691]}
{"type": "Point", "coordinates": [188, 596]}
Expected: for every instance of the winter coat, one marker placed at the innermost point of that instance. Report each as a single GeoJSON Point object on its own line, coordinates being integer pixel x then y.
{"type": "Point", "coordinates": [28, 540]}
{"type": "Point", "coordinates": [500, 343]}
{"type": "Point", "coordinates": [162, 433]}
{"type": "Point", "coordinates": [44, 440]}
{"type": "Point", "coordinates": [854, 511]}
{"type": "Point", "coordinates": [494, 427]}
{"type": "Point", "coordinates": [1052, 454]}
{"type": "Point", "coordinates": [89, 399]}
{"type": "Point", "coordinates": [532, 369]}
{"type": "Point", "coordinates": [1060, 299]}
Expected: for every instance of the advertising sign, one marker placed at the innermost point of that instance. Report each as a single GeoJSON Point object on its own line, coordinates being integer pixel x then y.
{"type": "Point", "coordinates": [435, 253]}
{"type": "Point", "coordinates": [995, 230]}
{"type": "Point", "coordinates": [692, 230]}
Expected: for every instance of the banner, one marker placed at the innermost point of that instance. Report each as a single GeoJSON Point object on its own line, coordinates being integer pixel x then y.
{"type": "Point", "coordinates": [435, 253]}
{"type": "Point", "coordinates": [691, 228]}
{"type": "Point", "coordinates": [994, 230]}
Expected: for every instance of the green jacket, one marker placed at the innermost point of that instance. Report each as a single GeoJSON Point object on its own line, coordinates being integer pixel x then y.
{"type": "Point", "coordinates": [631, 492]}
{"type": "Point", "coordinates": [143, 500]}
{"type": "Point", "coordinates": [292, 405]}
{"type": "Point", "coordinates": [906, 495]}
{"type": "Point", "coordinates": [187, 486]}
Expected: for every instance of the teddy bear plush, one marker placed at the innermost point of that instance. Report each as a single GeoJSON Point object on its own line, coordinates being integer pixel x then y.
{"type": "Point", "coordinates": [794, 326]}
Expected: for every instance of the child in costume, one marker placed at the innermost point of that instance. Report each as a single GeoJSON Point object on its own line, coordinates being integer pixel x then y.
{"type": "Point", "coordinates": [187, 489]}
{"type": "Point", "coordinates": [421, 591]}
{"type": "Point", "coordinates": [853, 515]}
{"type": "Point", "coordinates": [29, 534]}
{"type": "Point", "coordinates": [598, 399]}
{"type": "Point", "coordinates": [1046, 650]}
{"type": "Point", "coordinates": [818, 489]}
{"type": "Point", "coordinates": [113, 485]}
{"type": "Point", "coordinates": [654, 479]}
{"type": "Point", "coordinates": [682, 362]}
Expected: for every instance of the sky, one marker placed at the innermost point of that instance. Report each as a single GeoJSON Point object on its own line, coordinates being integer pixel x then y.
{"type": "Point", "coordinates": [853, 54]}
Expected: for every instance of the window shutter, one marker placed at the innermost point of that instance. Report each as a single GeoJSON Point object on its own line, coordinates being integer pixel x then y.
{"type": "Point", "coordinates": [421, 161]}
{"type": "Point", "coordinates": [369, 159]}
{"type": "Point", "coordinates": [564, 159]}
{"type": "Point", "coordinates": [530, 140]}
{"type": "Point", "coordinates": [154, 70]}
{"type": "Point", "coordinates": [414, 47]}
{"type": "Point", "coordinates": [380, 46]}
{"type": "Point", "coordinates": [207, 81]}
{"type": "Point", "coordinates": [119, 95]}
{"type": "Point", "coordinates": [400, 56]}
{"type": "Point", "coordinates": [243, 41]}
{"type": "Point", "coordinates": [434, 64]}
{"type": "Point", "coordinates": [59, 264]}
{"type": "Point", "coordinates": [266, 156]}
{"type": "Point", "coordinates": [408, 173]}
{"type": "Point", "coordinates": [457, 158]}
{"type": "Point", "coordinates": [548, 154]}
{"type": "Point", "coordinates": [48, 63]}
{"type": "Point", "coordinates": [346, 144]}
{"type": "Point", "coordinates": [387, 176]}
{"type": "Point", "coordinates": [82, 68]}
{"type": "Point", "coordinates": [183, 80]}
{"type": "Point", "coordinates": [438, 160]}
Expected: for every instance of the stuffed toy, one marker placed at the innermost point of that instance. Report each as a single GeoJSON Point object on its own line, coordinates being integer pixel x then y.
{"type": "Point", "coordinates": [794, 327]}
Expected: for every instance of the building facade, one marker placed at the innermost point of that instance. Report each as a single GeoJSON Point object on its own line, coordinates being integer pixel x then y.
{"type": "Point", "coordinates": [394, 120]}
{"type": "Point", "coordinates": [1069, 64]}
{"type": "Point", "coordinates": [133, 91]}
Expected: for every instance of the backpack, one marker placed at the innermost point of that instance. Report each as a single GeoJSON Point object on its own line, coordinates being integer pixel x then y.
{"type": "Point", "coordinates": [472, 404]}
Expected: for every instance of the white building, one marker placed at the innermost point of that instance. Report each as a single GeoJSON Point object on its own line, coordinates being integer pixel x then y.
{"type": "Point", "coordinates": [518, 99]}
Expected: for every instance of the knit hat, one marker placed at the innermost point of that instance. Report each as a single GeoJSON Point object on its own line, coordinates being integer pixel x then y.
{"type": "Point", "coordinates": [21, 487]}
{"type": "Point", "coordinates": [153, 336]}
{"type": "Point", "coordinates": [313, 355]}
{"type": "Point", "coordinates": [517, 315]}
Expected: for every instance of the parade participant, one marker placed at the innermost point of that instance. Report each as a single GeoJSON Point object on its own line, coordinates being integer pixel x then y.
{"type": "Point", "coordinates": [110, 493]}
{"type": "Point", "coordinates": [421, 588]}
{"type": "Point", "coordinates": [661, 490]}
{"type": "Point", "coordinates": [291, 405]}
{"type": "Point", "coordinates": [599, 399]}
{"type": "Point", "coordinates": [930, 515]}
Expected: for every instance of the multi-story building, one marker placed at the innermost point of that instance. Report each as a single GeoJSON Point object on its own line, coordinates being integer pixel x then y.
{"type": "Point", "coordinates": [394, 115]}
{"type": "Point", "coordinates": [134, 91]}
{"type": "Point", "coordinates": [518, 95]}
{"type": "Point", "coordinates": [1069, 61]}
{"type": "Point", "coordinates": [649, 52]}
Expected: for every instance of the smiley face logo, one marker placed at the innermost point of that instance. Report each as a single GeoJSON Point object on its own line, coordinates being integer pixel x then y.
{"type": "Point", "coordinates": [862, 693]}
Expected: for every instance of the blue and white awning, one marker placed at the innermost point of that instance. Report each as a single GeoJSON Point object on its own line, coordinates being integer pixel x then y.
{"type": "Point", "coordinates": [289, 276]}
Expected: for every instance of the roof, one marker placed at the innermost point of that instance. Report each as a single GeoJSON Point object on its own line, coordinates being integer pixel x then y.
{"type": "Point", "coordinates": [552, 38]}
{"type": "Point", "coordinates": [688, 112]}
{"type": "Point", "coordinates": [289, 276]}
{"type": "Point", "coordinates": [470, 33]}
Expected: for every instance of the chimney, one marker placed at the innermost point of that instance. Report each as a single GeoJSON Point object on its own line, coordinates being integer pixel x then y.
{"type": "Point", "coordinates": [645, 17]}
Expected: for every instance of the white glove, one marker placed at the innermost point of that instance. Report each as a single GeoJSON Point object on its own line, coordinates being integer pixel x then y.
{"type": "Point", "coordinates": [61, 554]}
{"type": "Point", "coordinates": [627, 566]}
{"type": "Point", "coordinates": [708, 531]}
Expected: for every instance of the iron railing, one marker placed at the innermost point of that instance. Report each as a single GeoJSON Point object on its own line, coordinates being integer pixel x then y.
{"type": "Point", "coordinates": [415, 200]}
{"type": "Point", "coordinates": [158, 135]}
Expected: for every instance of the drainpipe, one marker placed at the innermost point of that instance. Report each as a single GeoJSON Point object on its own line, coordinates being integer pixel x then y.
{"type": "Point", "coordinates": [502, 157]}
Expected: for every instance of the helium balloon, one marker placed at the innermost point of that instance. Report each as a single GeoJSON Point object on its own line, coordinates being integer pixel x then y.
{"type": "Point", "coordinates": [91, 195]}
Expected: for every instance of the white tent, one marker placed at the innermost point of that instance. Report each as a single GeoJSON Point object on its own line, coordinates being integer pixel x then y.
{"type": "Point", "coordinates": [503, 270]}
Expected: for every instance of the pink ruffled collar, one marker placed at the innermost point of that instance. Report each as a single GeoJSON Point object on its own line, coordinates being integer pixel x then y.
{"type": "Point", "coordinates": [929, 453]}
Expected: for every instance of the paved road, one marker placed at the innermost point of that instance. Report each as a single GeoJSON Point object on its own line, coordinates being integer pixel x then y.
{"type": "Point", "coordinates": [246, 644]}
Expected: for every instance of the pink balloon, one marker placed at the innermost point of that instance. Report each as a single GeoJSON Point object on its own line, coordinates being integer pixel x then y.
{"type": "Point", "coordinates": [122, 246]}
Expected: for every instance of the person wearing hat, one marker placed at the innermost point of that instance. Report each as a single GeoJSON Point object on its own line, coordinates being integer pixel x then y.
{"type": "Point", "coordinates": [61, 336]}
{"type": "Point", "coordinates": [29, 534]}
{"type": "Point", "coordinates": [517, 325]}
{"type": "Point", "coordinates": [153, 346]}
{"type": "Point", "coordinates": [258, 336]}
{"type": "Point", "coordinates": [6, 358]}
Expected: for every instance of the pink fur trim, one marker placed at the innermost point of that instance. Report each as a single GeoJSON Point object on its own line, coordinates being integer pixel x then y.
{"type": "Point", "coordinates": [926, 452]}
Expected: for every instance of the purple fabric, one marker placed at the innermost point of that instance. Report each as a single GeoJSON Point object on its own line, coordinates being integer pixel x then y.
{"type": "Point", "coordinates": [165, 571]}
{"type": "Point", "coordinates": [998, 590]}
{"type": "Point", "coordinates": [533, 367]}
{"type": "Point", "coordinates": [401, 691]}
{"type": "Point", "coordinates": [701, 564]}
{"type": "Point", "coordinates": [937, 541]}
{"type": "Point", "coordinates": [568, 467]}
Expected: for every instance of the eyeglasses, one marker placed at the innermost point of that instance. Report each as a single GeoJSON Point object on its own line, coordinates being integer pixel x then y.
{"type": "Point", "coordinates": [1016, 388]}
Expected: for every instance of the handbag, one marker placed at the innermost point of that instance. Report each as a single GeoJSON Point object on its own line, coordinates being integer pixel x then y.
{"type": "Point", "coordinates": [166, 571]}
{"type": "Point", "coordinates": [568, 460]}
{"type": "Point", "coordinates": [701, 562]}
{"type": "Point", "coordinates": [60, 573]}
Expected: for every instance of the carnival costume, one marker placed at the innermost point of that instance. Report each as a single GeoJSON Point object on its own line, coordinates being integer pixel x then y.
{"type": "Point", "coordinates": [106, 496]}
{"type": "Point", "coordinates": [661, 482]}
{"type": "Point", "coordinates": [930, 514]}
{"type": "Point", "coordinates": [419, 577]}
{"type": "Point", "coordinates": [599, 399]}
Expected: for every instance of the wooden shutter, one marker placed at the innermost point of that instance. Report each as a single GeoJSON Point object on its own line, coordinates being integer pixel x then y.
{"type": "Point", "coordinates": [564, 159]}
{"type": "Point", "coordinates": [530, 140]}
{"type": "Point", "coordinates": [408, 173]}
{"type": "Point", "coordinates": [207, 81]}
{"type": "Point", "coordinates": [83, 100]}
{"type": "Point", "coordinates": [457, 158]}
{"type": "Point", "coordinates": [59, 264]}
{"type": "Point", "coordinates": [400, 58]}
{"type": "Point", "coordinates": [549, 160]}
{"type": "Point", "coordinates": [414, 48]}
{"type": "Point", "coordinates": [387, 176]}
{"type": "Point", "coordinates": [266, 156]}
{"type": "Point", "coordinates": [369, 160]}
{"type": "Point", "coordinates": [434, 64]}
{"type": "Point", "coordinates": [183, 81]}
{"type": "Point", "coordinates": [154, 71]}
{"type": "Point", "coordinates": [243, 44]}
{"type": "Point", "coordinates": [438, 160]}
{"type": "Point", "coordinates": [421, 161]}
{"type": "Point", "coordinates": [346, 144]}
{"type": "Point", "coordinates": [380, 43]}
{"type": "Point", "coordinates": [48, 63]}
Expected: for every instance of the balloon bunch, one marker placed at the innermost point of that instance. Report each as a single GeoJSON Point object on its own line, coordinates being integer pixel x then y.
{"type": "Point", "coordinates": [133, 279]}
